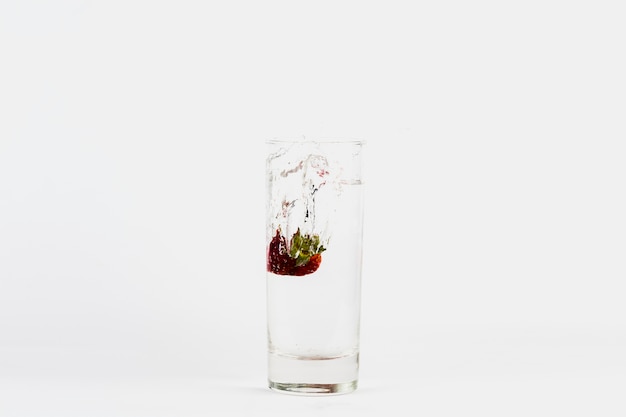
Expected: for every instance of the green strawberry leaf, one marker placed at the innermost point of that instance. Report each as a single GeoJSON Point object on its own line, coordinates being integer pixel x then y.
{"type": "Point", "coordinates": [304, 246]}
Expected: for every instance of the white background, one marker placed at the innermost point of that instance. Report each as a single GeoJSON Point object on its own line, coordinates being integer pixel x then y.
{"type": "Point", "coordinates": [132, 213]}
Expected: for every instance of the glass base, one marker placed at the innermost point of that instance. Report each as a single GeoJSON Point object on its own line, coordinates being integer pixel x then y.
{"type": "Point", "coordinates": [314, 389]}
{"type": "Point", "coordinates": [313, 375]}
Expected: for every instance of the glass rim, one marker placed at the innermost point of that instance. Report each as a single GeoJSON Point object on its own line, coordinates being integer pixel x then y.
{"type": "Point", "coordinates": [343, 140]}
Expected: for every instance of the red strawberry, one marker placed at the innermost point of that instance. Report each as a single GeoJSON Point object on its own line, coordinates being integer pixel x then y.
{"type": "Point", "coordinates": [303, 257]}
{"type": "Point", "coordinates": [278, 260]}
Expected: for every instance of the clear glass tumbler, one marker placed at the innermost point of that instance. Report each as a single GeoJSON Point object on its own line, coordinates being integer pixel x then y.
{"type": "Point", "coordinates": [314, 254]}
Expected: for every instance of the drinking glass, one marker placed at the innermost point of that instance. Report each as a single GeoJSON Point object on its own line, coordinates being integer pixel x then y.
{"type": "Point", "coordinates": [314, 234]}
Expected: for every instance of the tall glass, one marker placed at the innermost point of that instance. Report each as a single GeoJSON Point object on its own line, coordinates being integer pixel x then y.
{"type": "Point", "coordinates": [314, 251]}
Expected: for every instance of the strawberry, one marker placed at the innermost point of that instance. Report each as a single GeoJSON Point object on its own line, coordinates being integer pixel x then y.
{"type": "Point", "coordinates": [278, 260]}
{"type": "Point", "coordinates": [302, 258]}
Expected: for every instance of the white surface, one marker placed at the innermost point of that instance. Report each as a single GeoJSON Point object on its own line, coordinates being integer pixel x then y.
{"type": "Point", "coordinates": [132, 212]}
